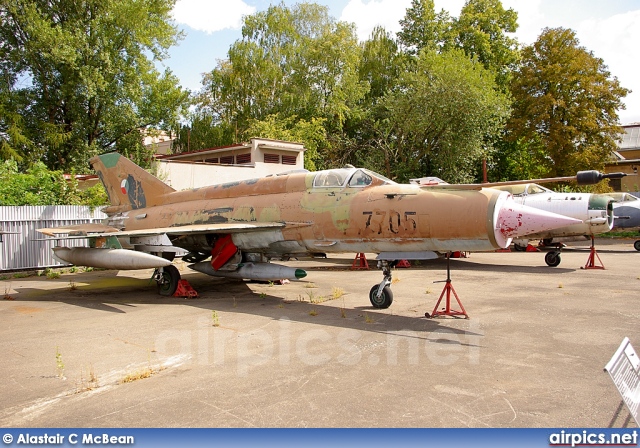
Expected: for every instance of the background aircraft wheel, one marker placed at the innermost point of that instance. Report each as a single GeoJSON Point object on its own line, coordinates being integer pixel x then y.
{"type": "Point", "coordinates": [519, 248]}
{"type": "Point", "coordinates": [384, 301]}
{"type": "Point", "coordinates": [552, 259]}
{"type": "Point", "coordinates": [636, 245]}
{"type": "Point", "coordinates": [169, 280]}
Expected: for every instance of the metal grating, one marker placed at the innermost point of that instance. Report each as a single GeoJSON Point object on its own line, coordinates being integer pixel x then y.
{"type": "Point", "coordinates": [22, 251]}
{"type": "Point", "coordinates": [624, 369]}
{"type": "Point", "coordinates": [271, 158]}
{"type": "Point", "coordinates": [289, 160]}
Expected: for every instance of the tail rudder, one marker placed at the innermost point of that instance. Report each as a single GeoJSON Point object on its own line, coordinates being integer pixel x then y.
{"type": "Point", "coordinates": [128, 185]}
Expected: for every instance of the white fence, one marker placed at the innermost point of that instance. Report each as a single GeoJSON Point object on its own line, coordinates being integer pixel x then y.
{"type": "Point", "coordinates": [21, 250]}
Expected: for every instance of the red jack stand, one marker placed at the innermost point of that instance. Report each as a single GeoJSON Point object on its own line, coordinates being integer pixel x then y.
{"type": "Point", "coordinates": [448, 289]}
{"type": "Point", "coordinates": [403, 264]}
{"type": "Point", "coordinates": [185, 290]}
{"type": "Point", "coordinates": [360, 262]}
{"type": "Point", "coordinates": [591, 261]}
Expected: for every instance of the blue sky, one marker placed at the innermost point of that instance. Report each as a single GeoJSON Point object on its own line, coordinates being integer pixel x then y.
{"type": "Point", "coordinates": [611, 29]}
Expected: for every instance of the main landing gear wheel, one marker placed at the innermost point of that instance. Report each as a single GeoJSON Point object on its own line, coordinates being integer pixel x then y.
{"type": "Point", "coordinates": [552, 258]}
{"type": "Point", "coordinates": [636, 245]}
{"type": "Point", "coordinates": [519, 248]}
{"type": "Point", "coordinates": [384, 301]}
{"type": "Point", "coordinates": [167, 279]}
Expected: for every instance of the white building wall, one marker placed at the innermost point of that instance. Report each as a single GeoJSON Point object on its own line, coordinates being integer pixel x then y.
{"type": "Point", "coordinates": [184, 175]}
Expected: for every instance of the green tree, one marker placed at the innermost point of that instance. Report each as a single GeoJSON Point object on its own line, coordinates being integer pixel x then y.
{"type": "Point", "coordinates": [481, 32]}
{"type": "Point", "coordinates": [40, 186]}
{"type": "Point", "coordinates": [444, 117]}
{"type": "Point", "coordinates": [291, 62]}
{"type": "Point", "coordinates": [423, 28]}
{"type": "Point", "coordinates": [565, 104]}
{"type": "Point", "coordinates": [79, 77]}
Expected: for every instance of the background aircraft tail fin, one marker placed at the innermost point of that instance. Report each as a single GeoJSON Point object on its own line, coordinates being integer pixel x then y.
{"type": "Point", "coordinates": [127, 185]}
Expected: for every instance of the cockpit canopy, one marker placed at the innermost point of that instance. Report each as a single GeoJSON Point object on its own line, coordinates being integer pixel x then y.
{"type": "Point", "coordinates": [622, 197]}
{"type": "Point", "coordinates": [524, 189]}
{"type": "Point", "coordinates": [348, 177]}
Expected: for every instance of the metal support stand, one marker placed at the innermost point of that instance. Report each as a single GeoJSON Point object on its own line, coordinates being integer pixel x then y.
{"type": "Point", "coordinates": [591, 261]}
{"type": "Point", "coordinates": [448, 290]}
{"type": "Point", "coordinates": [360, 262]}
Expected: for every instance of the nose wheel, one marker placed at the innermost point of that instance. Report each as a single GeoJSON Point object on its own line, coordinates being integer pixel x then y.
{"type": "Point", "coordinates": [552, 258]}
{"type": "Point", "coordinates": [380, 295]}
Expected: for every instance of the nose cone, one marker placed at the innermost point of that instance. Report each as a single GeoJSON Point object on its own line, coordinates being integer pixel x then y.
{"type": "Point", "coordinates": [515, 221]}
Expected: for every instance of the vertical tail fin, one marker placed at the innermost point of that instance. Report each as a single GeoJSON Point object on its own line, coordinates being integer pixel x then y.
{"type": "Point", "coordinates": [128, 186]}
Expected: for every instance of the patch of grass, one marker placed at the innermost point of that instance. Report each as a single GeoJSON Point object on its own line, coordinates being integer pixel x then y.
{"type": "Point", "coordinates": [395, 280]}
{"type": "Point", "coordinates": [88, 269]}
{"type": "Point", "coordinates": [72, 286]}
{"type": "Point", "coordinates": [560, 285]}
{"type": "Point", "coordinates": [263, 295]}
{"type": "Point", "coordinates": [59, 363]}
{"type": "Point", "coordinates": [51, 274]}
{"type": "Point", "coordinates": [313, 313]}
{"type": "Point", "coordinates": [22, 275]}
{"type": "Point", "coordinates": [313, 298]}
{"type": "Point", "coordinates": [428, 291]}
{"type": "Point", "coordinates": [343, 313]}
{"type": "Point", "coordinates": [281, 305]}
{"type": "Point", "coordinates": [8, 296]}
{"type": "Point", "coordinates": [87, 384]}
{"type": "Point", "coordinates": [73, 269]}
{"type": "Point", "coordinates": [619, 234]}
{"type": "Point", "coordinates": [368, 319]}
{"type": "Point", "coordinates": [310, 285]}
{"type": "Point", "coordinates": [138, 375]}
{"type": "Point", "coordinates": [215, 318]}
{"type": "Point", "coordinates": [336, 293]}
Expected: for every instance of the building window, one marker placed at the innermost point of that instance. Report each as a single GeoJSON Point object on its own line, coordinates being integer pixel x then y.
{"type": "Point", "coordinates": [216, 160]}
{"type": "Point", "coordinates": [226, 160]}
{"type": "Point", "coordinates": [289, 160]}
{"type": "Point", "coordinates": [243, 158]}
{"type": "Point", "coordinates": [271, 158]}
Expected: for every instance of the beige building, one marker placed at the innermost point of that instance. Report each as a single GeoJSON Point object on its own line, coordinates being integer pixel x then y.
{"type": "Point", "coordinates": [627, 160]}
{"type": "Point", "coordinates": [258, 158]}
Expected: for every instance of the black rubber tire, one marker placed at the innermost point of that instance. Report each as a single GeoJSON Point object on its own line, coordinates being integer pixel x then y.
{"type": "Point", "coordinates": [636, 245]}
{"type": "Point", "coordinates": [519, 248]}
{"type": "Point", "coordinates": [385, 300]}
{"type": "Point", "coordinates": [552, 259]}
{"type": "Point", "coordinates": [170, 277]}
{"type": "Point", "coordinates": [547, 241]}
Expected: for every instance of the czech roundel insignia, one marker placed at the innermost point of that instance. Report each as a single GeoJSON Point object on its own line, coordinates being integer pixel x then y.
{"type": "Point", "coordinates": [124, 186]}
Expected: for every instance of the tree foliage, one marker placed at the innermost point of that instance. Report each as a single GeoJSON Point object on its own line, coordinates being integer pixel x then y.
{"type": "Point", "coordinates": [291, 62]}
{"type": "Point", "coordinates": [40, 186]}
{"type": "Point", "coordinates": [481, 31]}
{"type": "Point", "coordinates": [78, 78]}
{"type": "Point", "coordinates": [423, 28]}
{"type": "Point", "coordinates": [565, 104]}
{"type": "Point", "coordinates": [444, 116]}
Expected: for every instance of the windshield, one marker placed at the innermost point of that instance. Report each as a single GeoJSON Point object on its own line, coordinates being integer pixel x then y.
{"type": "Point", "coordinates": [535, 189]}
{"type": "Point", "coordinates": [358, 178]}
{"type": "Point", "coordinates": [332, 178]}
